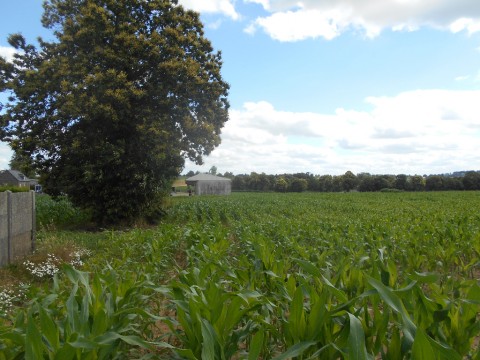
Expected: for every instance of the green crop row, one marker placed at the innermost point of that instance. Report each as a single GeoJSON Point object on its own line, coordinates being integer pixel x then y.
{"type": "Point", "coordinates": [355, 276]}
{"type": "Point", "coordinates": [271, 276]}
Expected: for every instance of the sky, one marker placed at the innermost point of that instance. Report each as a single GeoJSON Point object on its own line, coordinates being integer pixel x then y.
{"type": "Point", "coordinates": [329, 86]}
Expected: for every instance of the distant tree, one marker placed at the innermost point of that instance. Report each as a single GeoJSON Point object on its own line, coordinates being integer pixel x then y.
{"type": "Point", "coordinates": [213, 170]}
{"type": "Point", "coordinates": [267, 182]}
{"type": "Point", "coordinates": [298, 185]}
{"type": "Point", "coordinates": [453, 183]}
{"type": "Point", "coordinates": [190, 173]}
{"type": "Point", "coordinates": [337, 183]}
{"type": "Point", "coordinates": [313, 183]}
{"type": "Point", "coordinates": [229, 175]}
{"type": "Point", "coordinates": [365, 182]}
{"type": "Point", "coordinates": [253, 181]}
{"type": "Point", "coordinates": [22, 163]}
{"type": "Point", "coordinates": [471, 180]}
{"type": "Point", "coordinates": [349, 181]}
{"type": "Point", "coordinates": [325, 183]}
{"type": "Point", "coordinates": [417, 183]}
{"type": "Point", "coordinates": [110, 110]}
{"type": "Point", "coordinates": [434, 183]}
{"type": "Point", "coordinates": [239, 182]}
{"type": "Point", "coordinates": [401, 182]}
{"type": "Point", "coordinates": [281, 185]}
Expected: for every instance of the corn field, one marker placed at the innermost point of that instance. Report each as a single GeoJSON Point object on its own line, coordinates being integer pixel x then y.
{"type": "Point", "coordinates": [272, 276]}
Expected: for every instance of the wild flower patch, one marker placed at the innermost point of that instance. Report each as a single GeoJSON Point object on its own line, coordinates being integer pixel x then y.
{"type": "Point", "coordinates": [11, 296]}
{"type": "Point", "coordinates": [51, 265]}
{"type": "Point", "coordinates": [42, 269]}
{"type": "Point", "coordinates": [77, 257]}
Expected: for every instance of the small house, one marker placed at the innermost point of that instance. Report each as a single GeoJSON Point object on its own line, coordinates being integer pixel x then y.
{"type": "Point", "coordinates": [208, 184]}
{"type": "Point", "coordinates": [15, 178]}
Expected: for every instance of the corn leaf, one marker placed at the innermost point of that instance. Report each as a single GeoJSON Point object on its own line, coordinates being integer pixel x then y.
{"type": "Point", "coordinates": [421, 348]}
{"type": "Point", "coordinates": [33, 341]}
{"type": "Point", "coordinates": [395, 303]}
{"type": "Point", "coordinates": [356, 340]}
{"type": "Point", "coordinates": [49, 329]}
{"type": "Point", "coordinates": [208, 344]}
{"type": "Point", "coordinates": [295, 350]}
{"type": "Point", "coordinates": [256, 345]}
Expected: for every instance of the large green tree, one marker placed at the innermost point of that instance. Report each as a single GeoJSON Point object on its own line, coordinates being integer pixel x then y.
{"type": "Point", "coordinates": [110, 109]}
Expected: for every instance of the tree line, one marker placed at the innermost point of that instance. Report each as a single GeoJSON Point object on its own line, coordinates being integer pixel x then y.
{"type": "Point", "coordinates": [363, 182]}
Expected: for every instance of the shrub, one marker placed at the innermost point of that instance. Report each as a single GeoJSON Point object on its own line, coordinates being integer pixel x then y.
{"type": "Point", "coordinates": [14, 189]}
{"type": "Point", "coordinates": [59, 212]}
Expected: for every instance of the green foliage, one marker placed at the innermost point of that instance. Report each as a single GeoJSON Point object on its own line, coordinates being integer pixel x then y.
{"type": "Point", "coordinates": [281, 185]}
{"type": "Point", "coordinates": [298, 185]}
{"type": "Point", "coordinates": [14, 188]}
{"type": "Point", "coordinates": [22, 163]}
{"type": "Point", "coordinates": [100, 319]}
{"type": "Point", "coordinates": [363, 182]}
{"type": "Point", "coordinates": [108, 112]}
{"type": "Point", "coordinates": [59, 213]}
{"type": "Point", "coordinates": [471, 180]}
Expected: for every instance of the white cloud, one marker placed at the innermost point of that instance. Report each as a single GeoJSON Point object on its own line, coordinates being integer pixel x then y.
{"type": "Point", "coordinates": [7, 52]}
{"type": "Point", "coordinates": [462, 78]}
{"type": "Point", "coordinates": [299, 25]}
{"type": "Point", "coordinates": [293, 20]}
{"type": "Point", "coordinates": [5, 156]}
{"type": "Point", "coordinates": [225, 7]}
{"type": "Point", "coordinates": [468, 24]}
{"type": "Point", "coordinates": [423, 131]}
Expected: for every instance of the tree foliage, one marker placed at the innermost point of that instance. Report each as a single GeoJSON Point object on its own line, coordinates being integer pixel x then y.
{"type": "Point", "coordinates": [363, 182]}
{"type": "Point", "coordinates": [22, 163]}
{"type": "Point", "coordinates": [109, 110]}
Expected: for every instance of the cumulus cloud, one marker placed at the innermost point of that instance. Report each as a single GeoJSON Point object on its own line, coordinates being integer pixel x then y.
{"type": "Point", "coordinates": [7, 52]}
{"type": "Point", "coordinates": [423, 131]}
{"type": "Point", "coordinates": [291, 20]}
{"type": "Point", "coordinates": [5, 156]}
{"type": "Point", "coordinates": [225, 7]}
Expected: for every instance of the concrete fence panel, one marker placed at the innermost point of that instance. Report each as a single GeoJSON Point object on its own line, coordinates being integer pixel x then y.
{"type": "Point", "coordinates": [17, 225]}
{"type": "Point", "coordinates": [4, 228]}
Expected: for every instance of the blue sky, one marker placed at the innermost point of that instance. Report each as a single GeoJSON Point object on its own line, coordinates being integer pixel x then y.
{"type": "Point", "coordinates": [323, 86]}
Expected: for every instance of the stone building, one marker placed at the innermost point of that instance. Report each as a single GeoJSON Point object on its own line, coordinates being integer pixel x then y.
{"type": "Point", "coordinates": [207, 184]}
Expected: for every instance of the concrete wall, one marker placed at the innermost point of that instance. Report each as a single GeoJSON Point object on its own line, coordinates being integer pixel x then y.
{"type": "Point", "coordinates": [17, 225]}
{"type": "Point", "coordinates": [4, 228]}
{"type": "Point", "coordinates": [213, 187]}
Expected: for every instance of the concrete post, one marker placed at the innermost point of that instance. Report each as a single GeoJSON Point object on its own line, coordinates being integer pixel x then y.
{"type": "Point", "coordinates": [34, 221]}
{"type": "Point", "coordinates": [3, 228]}
{"type": "Point", "coordinates": [10, 226]}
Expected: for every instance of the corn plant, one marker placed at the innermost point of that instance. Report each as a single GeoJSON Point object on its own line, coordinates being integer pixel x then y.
{"type": "Point", "coordinates": [99, 320]}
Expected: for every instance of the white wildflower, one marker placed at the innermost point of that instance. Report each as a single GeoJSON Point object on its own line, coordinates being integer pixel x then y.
{"type": "Point", "coordinates": [78, 255]}
{"type": "Point", "coordinates": [8, 297]}
{"type": "Point", "coordinates": [48, 268]}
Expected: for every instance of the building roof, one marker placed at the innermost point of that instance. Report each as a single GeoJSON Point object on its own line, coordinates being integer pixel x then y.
{"type": "Point", "coordinates": [206, 177]}
{"type": "Point", "coordinates": [17, 175]}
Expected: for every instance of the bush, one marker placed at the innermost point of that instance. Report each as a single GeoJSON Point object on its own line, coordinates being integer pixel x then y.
{"type": "Point", "coordinates": [59, 212]}
{"type": "Point", "coordinates": [14, 189]}
{"type": "Point", "coordinates": [390, 190]}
